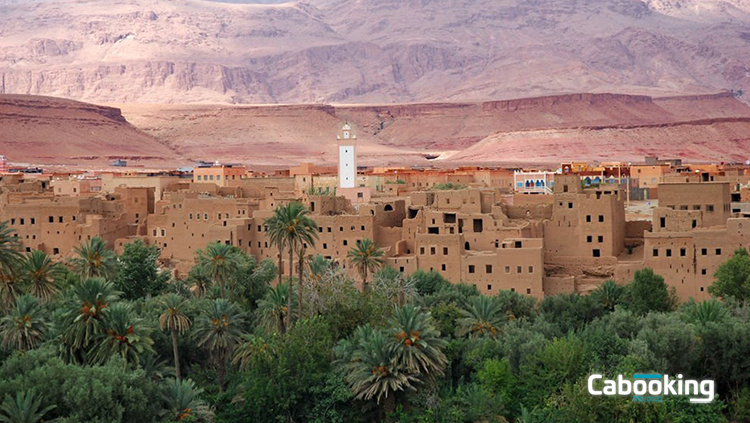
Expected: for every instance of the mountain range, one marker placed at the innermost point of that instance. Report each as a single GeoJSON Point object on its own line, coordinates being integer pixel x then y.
{"type": "Point", "coordinates": [370, 51]}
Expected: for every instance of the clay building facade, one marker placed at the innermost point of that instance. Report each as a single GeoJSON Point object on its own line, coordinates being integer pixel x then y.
{"type": "Point", "coordinates": [567, 241]}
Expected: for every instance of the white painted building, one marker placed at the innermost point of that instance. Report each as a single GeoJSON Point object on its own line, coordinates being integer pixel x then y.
{"type": "Point", "coordinates": [347, 141]}
{"type": "Point", "coordinates": [534, 182]}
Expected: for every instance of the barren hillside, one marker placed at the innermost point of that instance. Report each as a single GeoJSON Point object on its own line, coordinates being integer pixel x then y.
{"type": "Point", "coordinates": [46, 130]}
{"type": "Point", "coordinates": [617, 127]}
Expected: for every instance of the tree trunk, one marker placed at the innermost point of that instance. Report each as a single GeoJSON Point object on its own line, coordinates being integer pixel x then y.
{"type": "Point", "coordinates": [176, 355]}
{"type": "Point", "coordinates": [364, 282]}
{"type": "Point", "coordinates": [401, 294]}
{"type": "Point", "coordinates": [289, 297]}
{"type": "Point", "coordinates": [222, 370]}
{"type": "Point", "coordinates": [281, 263]}
{"type": "Point", "coordinates": [300, 272]}
{"type": "Point", "coordinates": [221, 287]}
{"type": "Point", "coordinates": [389, 404]}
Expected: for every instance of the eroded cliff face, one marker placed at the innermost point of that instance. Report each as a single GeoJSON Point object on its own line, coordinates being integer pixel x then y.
{"type": "Point", "coordinates": [544, 130]}
{"type": "Point", "coordinates": [47, 130]}
{"type": "Point", "coordinates": [380, 51]}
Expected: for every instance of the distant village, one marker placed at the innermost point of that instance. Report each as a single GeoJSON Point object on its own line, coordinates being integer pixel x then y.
{"type": "Point", "coordinates": [536, 232]}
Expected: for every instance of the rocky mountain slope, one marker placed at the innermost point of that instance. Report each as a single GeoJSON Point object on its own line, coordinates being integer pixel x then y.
{"type": "Point", "coordinates": [544, 130]}
{"type": "Point", "coordinates": [46, 130]}
{"type": "Point", "coordinates": [370, 51]}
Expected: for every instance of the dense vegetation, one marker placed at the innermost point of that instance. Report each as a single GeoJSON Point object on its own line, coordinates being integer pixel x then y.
{"type": "Point", "coordinates": [102, 338]}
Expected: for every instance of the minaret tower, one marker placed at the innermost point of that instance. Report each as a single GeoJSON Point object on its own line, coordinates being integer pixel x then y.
{"type": "Point", "coordinates": [347, 141]}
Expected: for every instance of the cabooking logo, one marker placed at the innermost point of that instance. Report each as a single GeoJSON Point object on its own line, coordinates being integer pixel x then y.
{"type": "Point", "coordinates": [653, 387]}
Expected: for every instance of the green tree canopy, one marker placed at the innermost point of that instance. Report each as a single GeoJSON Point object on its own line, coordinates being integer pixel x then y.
{"type": "Point", "coordinates": [733, 277]}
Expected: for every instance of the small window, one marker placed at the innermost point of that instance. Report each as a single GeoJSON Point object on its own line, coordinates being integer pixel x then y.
{"type": "Point", "coordinates": [507, 269]}
{"type": "Point", "coordinates": [528, 291]}
{"type": "Point", "coordinates": [596, 253]}
{"type": "Point", "coordinates": [601, 218]}
{"type": "Point", "coordinates": [656, 252]}
{"type": "Point", "coordinates": [570, 205]}
{"type": "Point", "coordinates": [669, 252]}
{"type": "Point", "coordinates": [710, 208]}
{"type": "Point", "coordinates": [471, 268]}
{"type": "Point", "coordinates": [588, 218]}
{"type": "Point", "coordinates": [443, 267]}
{"type": "Point", "coordinates": [445, 251]}
{"type": "Point", "coordinates": [600, 238]}
{"type": "Point", "coordinates": [488, 268]}
{"type": "Point", "coordinates": [489, 287]}
{"type": "Point", "coordinates": [704, 271]}
{"type": "Point", "coordinates": [55, 251]}
{"type": "Point", "coordinates": [683, 252]}
{"type": "Point", "coordinates": [519, 269]}
{"type": "Point", "coordinates": [718, 251]}
{"type": "Point", "coordinates": [589, 238]}
{"type": "Point", "coordinates": [531, 269]}
{"type": "Point", "coordinates": [704, 251]}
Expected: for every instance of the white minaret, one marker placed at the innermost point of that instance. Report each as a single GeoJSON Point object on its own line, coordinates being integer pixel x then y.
{"type": "Point", "coordinates": [347, 142]}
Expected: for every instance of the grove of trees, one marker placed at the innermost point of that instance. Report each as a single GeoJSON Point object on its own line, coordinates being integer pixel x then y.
{"type": "Point", "coordinates": [107, 338]}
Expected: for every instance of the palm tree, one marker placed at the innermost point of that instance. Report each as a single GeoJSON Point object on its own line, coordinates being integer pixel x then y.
{"type": "Point", "coordinates": [40, 273]}
{"type": "Point", "coordinates": [9, 287]}
{"type": "Point", "coordinates": [219, 330]}
{"type": "Point", "coordinates": [705, 312]}
{"type": "Point", "coordinates": [292, 224]}
{"type": "Point", "coordinates": [319, 269]}
{"type": "Point", "coordinates": [393, 285]}
{"type": "Point", "coordinates": [125, 335]}
{"type": "Point", "coordinates": [367, 257]}
{"type": "Point", "coordinates": [272, 309]}
{"type": "Point", "coordinates": [300, 274]}
{"type": "Point", "coordinates": [418, 345]}
{"type": "Point", "coordinates": [155, 368]}
{"type": "Point", "coordinates": [25, 327]}
{"type": "Point", "coordinates": [83, 321]}
{"type": "Point", "coordinates": [608, 294]}
{"type": "Point", "coordinates": [275, 233]}
{"type": "Point", "coordinates": [480, 316]}
{"type": "Point", "coordinates": [220, 262]}
{"type": "Point", "coordinates": [24, 408]}
{"type": "Point", "coordinates": [317, 266]}
{"type": "Point", "coordinates": [200, 280]}
{"type": "Point", "coordinates": [174, 320]}
{"type": "Point", "coordinates": [94, 260]}
{"type": "Point", "coordinates": [371, 369]}
{"type": "Point", "coordinates": [183, 402]}
{"type": "Point", "coordinates": [253, 346]}
{"type": "Point", "coordinates": [9, 259]}
{"type": "Point", "coordinates": [9, 246]}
